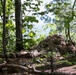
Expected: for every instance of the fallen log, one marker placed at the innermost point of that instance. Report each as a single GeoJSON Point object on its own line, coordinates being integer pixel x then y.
{"type": "Point", "coordinates": [31, 70]}
{"type": "Point", "coordinates": [23, 54]}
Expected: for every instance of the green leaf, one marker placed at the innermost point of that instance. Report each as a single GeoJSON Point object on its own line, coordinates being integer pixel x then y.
{"type": "Point", "coordinates": [37, 9]}
{"type": "Point", "coordinates": [42, 13]}
{"type": "Point", "coordinates": [30, 26]}
{"type": "Point", "coordinates": [23, 30]}
{"type": "Point", "coordinates": [31, 34]}
{"type": "Point", "coordinates": [48, 5]}
{"type": "Point", "coordinates": [31, 19]}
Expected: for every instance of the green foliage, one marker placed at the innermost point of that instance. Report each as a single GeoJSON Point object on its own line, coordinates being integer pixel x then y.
{"type": "Point", "coordinates": [40, 38]}
{"type": "Point", "coordinates": [27, 20]}
{"type": "Point", "coordinates": [31, 34]}
{"type": "Point", "coordinates": [29, 42]}
{"type": "Point", "coordinates": [63, 22]}
{"type": "Point", "coordinates": [64, 12]}
{"type": "Point", "coordinates": [30, 19]}
{"type": "Point", "coordinates": [64, 19]}
{"type": "Point", "coordinates": [65, 62]}
{"type": "Point", "coordinates": [48, 5]}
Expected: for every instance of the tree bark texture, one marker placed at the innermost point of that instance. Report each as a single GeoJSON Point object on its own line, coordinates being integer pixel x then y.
{"type": "Point", "coordinates": [18, 19]}
{"type": "Point", "coordinates": [4, 29]}
{"type": "Point", "coordinates": [7, 31]}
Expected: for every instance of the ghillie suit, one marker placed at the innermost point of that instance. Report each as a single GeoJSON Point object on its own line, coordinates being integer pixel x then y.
{"type": "Point", "coordinates": [56, 43]}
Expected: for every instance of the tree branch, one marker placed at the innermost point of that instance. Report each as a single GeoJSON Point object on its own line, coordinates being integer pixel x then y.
{"type": "Point", "coordinates": [73, 4]}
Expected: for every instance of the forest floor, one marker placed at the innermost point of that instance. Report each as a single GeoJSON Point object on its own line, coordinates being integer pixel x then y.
{"type": "Point", "coordinates": [55, 54]}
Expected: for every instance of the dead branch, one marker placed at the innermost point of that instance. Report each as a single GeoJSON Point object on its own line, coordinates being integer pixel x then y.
{"type": "Point", "coordinates": [25, 69]}
{"type": "Point", "coordinates": [14, 66]}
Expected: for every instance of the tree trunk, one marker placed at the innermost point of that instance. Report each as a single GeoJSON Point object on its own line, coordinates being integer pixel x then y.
{"type": "Point", "coordinates": [4, 29]}
{"type": "Point", "coordinates": [7, 31]}
{"type": "Point", "coordinates": [18, 19]}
